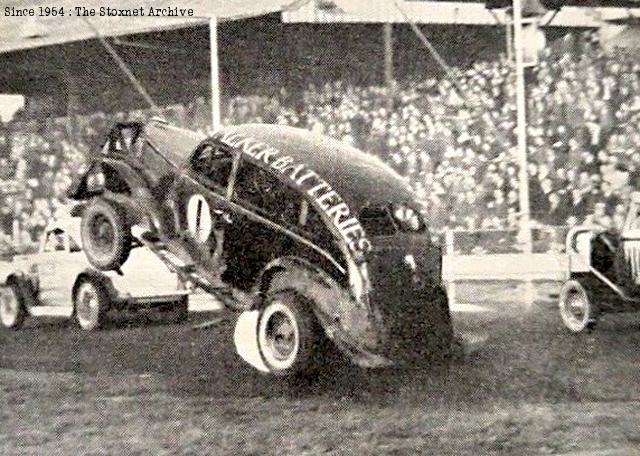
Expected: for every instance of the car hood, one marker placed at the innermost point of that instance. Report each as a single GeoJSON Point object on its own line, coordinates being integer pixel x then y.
{"type": "Point", "coordinates": [175, 144]}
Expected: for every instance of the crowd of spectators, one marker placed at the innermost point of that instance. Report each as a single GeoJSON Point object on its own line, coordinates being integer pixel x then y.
{"type": "Point", "coordinates": [454, 141]}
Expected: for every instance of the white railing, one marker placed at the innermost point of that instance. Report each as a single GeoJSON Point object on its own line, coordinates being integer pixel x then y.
{"type": "Point", "coordinates": [506, 261]}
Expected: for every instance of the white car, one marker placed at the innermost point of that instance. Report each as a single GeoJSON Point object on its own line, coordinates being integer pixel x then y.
{"type": "Point", "coordinates": [59, 281]}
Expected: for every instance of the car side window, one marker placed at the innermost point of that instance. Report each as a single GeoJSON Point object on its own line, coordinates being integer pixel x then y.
{"type": "Point", "coordinates": [55, 241]}
{"type": "Point", "coordinates": [214, 163]}
{"type": "Point", "coordinates": [273, 199]}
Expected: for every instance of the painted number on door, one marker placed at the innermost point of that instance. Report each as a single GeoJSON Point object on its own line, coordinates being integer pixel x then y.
{"type": "Point", "coordinates": [199, 218]}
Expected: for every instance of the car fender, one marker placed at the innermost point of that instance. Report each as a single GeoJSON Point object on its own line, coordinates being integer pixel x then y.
{"type": "Point", "coordinates": [142, 206]}
{"type": "Point", "coordinates": [100, 278]}
{"type": "Point", "coordinates": [26, 286]}
{"type": "Point", "coordinates": [347, 323]}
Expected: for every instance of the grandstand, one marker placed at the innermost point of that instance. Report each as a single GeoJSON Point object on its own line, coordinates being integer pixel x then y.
{"type": "Point", "coordinates": [583, 112]}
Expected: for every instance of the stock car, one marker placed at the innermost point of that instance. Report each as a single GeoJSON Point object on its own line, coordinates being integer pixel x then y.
{"type": "Point", "coordinates": [604, 271]}
{"type": "Point", "coordinates": [317, 244]}
{"type": "Point", "coordinates": [59, 281]}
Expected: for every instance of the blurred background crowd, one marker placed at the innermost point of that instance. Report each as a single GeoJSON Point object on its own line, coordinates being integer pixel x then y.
{"type": "Point", "coordinates": [453, 141]}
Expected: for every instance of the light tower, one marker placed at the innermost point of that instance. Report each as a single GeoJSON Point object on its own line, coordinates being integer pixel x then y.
{"type": "Point", "coordinates": [527, 42]}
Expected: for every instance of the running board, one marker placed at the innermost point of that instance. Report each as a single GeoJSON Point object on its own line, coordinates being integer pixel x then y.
{"type": "Point", "coordinates": [233, 299]}
{"type": "Point", "coordinates": [51, 311]}
{"type": "Point", "coordinates": [619, 291]}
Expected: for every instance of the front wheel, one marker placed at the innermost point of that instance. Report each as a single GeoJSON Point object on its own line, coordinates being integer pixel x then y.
{"type": "Point", "coordinates": [288, 334]}
{"type": "Point", "coordinates": [12, 309]}
{"type": "Point", "coordinates": [576, 309]}
{"type": "Point", "coordinates": [106, 234]}
{"type": "Point", "coordinates": [91, 303]}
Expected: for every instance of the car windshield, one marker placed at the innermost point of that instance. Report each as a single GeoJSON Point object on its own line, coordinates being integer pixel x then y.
{"type": "Point", "coordinates": [214, 163]}
{"type": "Point", "coordinates": [123, 138]}
{"type": "Point", "coordinates": [635, 223]}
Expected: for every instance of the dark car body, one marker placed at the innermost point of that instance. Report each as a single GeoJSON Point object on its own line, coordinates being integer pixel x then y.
{"type": "Point", "coordinates": [289, 203]}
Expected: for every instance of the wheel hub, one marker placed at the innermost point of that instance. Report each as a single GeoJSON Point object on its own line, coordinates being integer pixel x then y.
{"type": "Point", "coordinates": [281, 335]}
{"type": "Point", "coordinates": [102, 233]}
{"type": "Point", "coordinates": [576, 306]}
{"type": "Point", "coordinates": [87, 303]}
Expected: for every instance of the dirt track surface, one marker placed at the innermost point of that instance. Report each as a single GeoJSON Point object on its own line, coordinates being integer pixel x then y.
{"type": "Point", "coordinates": [530, 388]}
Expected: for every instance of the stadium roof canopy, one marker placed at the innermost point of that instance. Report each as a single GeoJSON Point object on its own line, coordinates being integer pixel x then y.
{"type": "Point", "coordinates": [575, 13]}
{"type": "Point", "coordinates": [20, 32]}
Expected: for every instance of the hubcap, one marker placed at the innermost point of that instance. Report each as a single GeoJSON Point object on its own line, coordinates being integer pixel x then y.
{"type": "Point", "coordinates": [87, 305]}
{"type": "Point", "coordinates": [282, 336]}
{"type": "Point", "coordinates": [279, 336]}
{"type": "Point", "coordinates": [8, 307]}
{"type": "Point", "coordinates": [575, 310]}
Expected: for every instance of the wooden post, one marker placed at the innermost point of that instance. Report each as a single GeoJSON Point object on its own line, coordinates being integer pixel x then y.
{"type": "Point", "coordinates": [387, 33]}
{"type": "Point", "coordinates": [509, 39]}
{"type": "Point", "coordinates": [450, 251]}
{"type": "Point", "coordinates": [521, 103]}
{"type": "Point", "coordinates": [215, 74]}
{"type": "Point", "coordinates": [388, 54]}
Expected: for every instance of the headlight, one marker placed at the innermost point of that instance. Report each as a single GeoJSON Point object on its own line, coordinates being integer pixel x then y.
{"type": "Point", "coordinates": [359, 281]}
{"type": "Point", "coordinates": [95, 180]}
{"type": "Point", "coordinates": [407, 218]}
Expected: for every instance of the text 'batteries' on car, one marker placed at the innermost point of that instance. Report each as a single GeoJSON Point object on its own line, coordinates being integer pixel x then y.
{"type": "Point", "coordinates": [311, 239]}
{"type": "Point", "coordinates": [58, 281]}
{"type": "Point", "coordinates": [604, 271]}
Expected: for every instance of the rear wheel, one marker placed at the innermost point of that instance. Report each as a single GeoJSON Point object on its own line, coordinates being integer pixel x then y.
{"type": "Point", "coordinates": [288, 333]}
{"type": "Point", "coordinates": [106, 234]}
{"type": "Point", "coordinates": [12, 309]}
{"type": "Point", "coordinates": [91, 304]}
{"type": "Point", "coordinates": [577, 311]}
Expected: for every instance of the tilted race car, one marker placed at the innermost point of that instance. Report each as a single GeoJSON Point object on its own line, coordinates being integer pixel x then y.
{"type": "Point", "coordinates": [313, 240]}
{"type": "Point", "coordinates": [58, 281]}
{"type": "Point", "coordinates": [604, 271]}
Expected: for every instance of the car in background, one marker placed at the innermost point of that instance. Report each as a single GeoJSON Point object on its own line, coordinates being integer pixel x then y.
{"type": "Point", "coordinates": [59, 281]}
{"type": "Point", "coordinates": [604, 271]}
{"type": "Point", "coordinates": [319, 245]}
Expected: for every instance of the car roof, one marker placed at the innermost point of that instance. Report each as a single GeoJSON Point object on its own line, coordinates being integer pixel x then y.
{"type": "Point", "coordinates": [361, 179]}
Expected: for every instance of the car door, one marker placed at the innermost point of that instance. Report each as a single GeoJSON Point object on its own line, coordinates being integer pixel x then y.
{"type": "Point", "coordinates": [266, 221]}
{"type": "Point", "coordinates": [57, 264]}
{"type": "Point", "coordinates": [201, 199]}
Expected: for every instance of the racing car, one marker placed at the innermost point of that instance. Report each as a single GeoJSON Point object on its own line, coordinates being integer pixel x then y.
{"type": "Point", "coordinates": [604, 271]}
{"type": "Point", "coordinates": [59, 281]}
{"type": "Point", "coordinates": [309, 238]}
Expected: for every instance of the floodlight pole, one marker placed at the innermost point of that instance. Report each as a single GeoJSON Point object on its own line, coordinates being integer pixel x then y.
{"type": "Point", "coordinates": [521, 106]}
{"type": "Point", "coordinates": [215, 73]}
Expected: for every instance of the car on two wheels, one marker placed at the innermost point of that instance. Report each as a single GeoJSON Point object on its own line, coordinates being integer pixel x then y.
{"type": "Point", "coordinates": [316, 244]}
{"type": "Point", "coordinates": [58, 281]}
